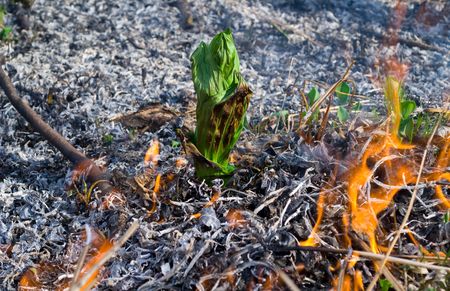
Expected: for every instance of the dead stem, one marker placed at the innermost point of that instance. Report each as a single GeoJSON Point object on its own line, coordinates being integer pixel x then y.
{"type": "Point", "coordinates": [83, 255]}
{"type": "Point", "coordinates": [343, 269]}
{"type": "Point", "coordinates": [77, 286]}
{"type": "Point", "coordinates": [408, 211]}
{"type": "Point", "coordinates": [369, 255]}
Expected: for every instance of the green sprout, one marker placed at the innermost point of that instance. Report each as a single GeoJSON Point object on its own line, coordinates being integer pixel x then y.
{"type": "Point", "coordinates": [108, 139]}
{"type": "Point", "coordinates": [405, 119]}
{"type": "Point", "coordinates": [406, 129]}
{"type": "Point", "coordinates": [5, 31]}
{"type": "Point", "coordinates": [385, 285]}
{"type": "Point", "coordinates": [222, 101]}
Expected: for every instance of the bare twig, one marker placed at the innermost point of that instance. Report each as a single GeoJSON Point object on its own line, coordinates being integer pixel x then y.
{"type": "Point", "coordinates": [343, 269]}
{"type": "Point", "coordinates": [83, 255]}
{"type": "Point", "coordinates": [287, 280]}
{"type": "Point", "coordinates": [84, 279]}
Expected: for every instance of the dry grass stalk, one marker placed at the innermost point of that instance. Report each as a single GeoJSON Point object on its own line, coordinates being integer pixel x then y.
{"type": "Point", "coordinates": [82, 281]}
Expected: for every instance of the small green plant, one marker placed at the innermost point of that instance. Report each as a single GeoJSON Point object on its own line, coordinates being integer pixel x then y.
{"type": "Point", "coordinates": [385, 285]}
{"type": "Point", "coordinates": [175, 144]}
{"type": "Point", "coordinates": [406, 129]}
{"type": "Point", "coordinates": [5, 32]}
{"type": "Point", "coordinates": [408, 122]}
{"type": "Point", "coordinates": [108, 139]}
{"type": "Point", "coordinates": [222, 101]}
{"type": "Point", "coordinates": [343, 91]}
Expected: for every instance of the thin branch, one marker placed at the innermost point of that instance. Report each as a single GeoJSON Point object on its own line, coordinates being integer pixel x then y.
{"type": "Point", "coordinates": [52, 136]}
{"type": "Point", "coordinates": [84, 279]}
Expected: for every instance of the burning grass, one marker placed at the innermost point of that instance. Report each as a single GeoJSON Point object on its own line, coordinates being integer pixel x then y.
{"type": "Point", "coordinates": [294, 215]}
{"type": "Point", "coordinates": [298, 212]}
{"type": "Point", "coordinates": [359, 206]}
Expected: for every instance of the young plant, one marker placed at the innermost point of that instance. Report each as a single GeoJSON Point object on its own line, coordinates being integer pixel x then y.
{"type": "Point", "coordinates": [385, 285]}
{"type": "Point", "coordinates": [408, 123]}
{"type": "Point", "coordinates": [222, 101]}
{"type": "Point", "coordinates": [5, 31]}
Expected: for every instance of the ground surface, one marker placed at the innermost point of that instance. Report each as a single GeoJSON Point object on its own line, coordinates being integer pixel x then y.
{"type": "Point", "coordinates": [101, 58]}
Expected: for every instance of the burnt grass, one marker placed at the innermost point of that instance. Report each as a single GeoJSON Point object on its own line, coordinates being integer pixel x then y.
{"type": "Point", "coordinates": [91, 69]}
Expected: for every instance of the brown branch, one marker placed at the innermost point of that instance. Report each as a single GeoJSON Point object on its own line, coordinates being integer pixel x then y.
{"type": "Point", "coordinates": [52, 136]}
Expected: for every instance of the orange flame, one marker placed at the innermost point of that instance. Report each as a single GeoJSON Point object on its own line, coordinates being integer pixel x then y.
{"type": "Point", "coordinates": [155, 194]}
{"type": "Point", "coordinates": [392, 166]}
{"type": "Point", "coordinates": [45, 275]}
{"type": "Point", "coordinates": [39, 277]}
{"type": "Point", "coordinates": [358, 281]}
{"type": "Point", "coordinates": [152, 154]}
{"type": "Point", "coordinates": [311, 241]}
{"type": "Point", "coordinates": [102, 251]}
{"type": "Point", "coordinates": [235, 219]}
{"type": "Point", "coordinates": [443, 162]}
{"type": "Point", "coordinates": [385, 167]}
{"type": "Point", "coordinates": [214, 198]}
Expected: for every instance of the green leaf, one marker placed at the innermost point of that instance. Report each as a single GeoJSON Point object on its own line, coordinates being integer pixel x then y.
{"type": "Point", "coordinates": [342, 91]}
{"type": "Point", "coordinates": [407, 107]}
{"type": "Point", "coordinates": [407, 128]}
{"type": "Point", "coordinates": [447, 217]}
{"type": "Point", "coordinates": [342, 114]}
{"type": "Point", "coordinates": [175, 143]}
{"type": "Point", "coordinates": [215, 69]}
{"type": "Point", "coordinates": [313, 96]}
{"type": "Point", "coordinates": [281, 117]}
{"type": "Point", "coordinates": [385, 285]}
{"type": "Point", "coordinates": [5, 33]}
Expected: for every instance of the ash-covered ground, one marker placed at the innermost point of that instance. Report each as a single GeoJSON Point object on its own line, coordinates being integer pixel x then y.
{"type": "Point", "coordinates": [100, 59]}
